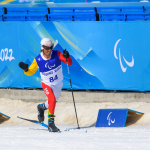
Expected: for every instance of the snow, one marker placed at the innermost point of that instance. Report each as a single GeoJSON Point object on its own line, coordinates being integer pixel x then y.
{"type": "Point", "coordinates": [17, 134]}
{"type": "Point", "coordinates": [37, 137]}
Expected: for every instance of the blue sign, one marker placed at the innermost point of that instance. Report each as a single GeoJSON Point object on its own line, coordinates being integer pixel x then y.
{"type": "Point", "coordinates": [111, 118]}
{"type": "Point", "coordinates": [106, 55]}
{"type": "Point", "coordinates": [115, 117]}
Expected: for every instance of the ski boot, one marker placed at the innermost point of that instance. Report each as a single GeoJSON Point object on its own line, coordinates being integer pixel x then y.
{"type": "Point", "coordinates": [51, 125]}
{"type": "Point", "coordinates": [41, 108]}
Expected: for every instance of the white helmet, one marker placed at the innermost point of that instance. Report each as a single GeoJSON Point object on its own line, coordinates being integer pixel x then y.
{"type": "Point", "coordinates": [46, 42]}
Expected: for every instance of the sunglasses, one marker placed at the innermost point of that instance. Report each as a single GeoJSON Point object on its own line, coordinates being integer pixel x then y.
{"type": "Point", "coordinates": [47, 48]}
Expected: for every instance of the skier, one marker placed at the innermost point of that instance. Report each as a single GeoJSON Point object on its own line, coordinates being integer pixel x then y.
{"type": "Point", "coordinates": [49, 64]}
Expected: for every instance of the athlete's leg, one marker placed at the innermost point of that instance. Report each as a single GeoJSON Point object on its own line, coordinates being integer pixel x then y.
{"type": "Point", "coordinates": [56, 90]}
{"type": "Point", "coordinates": [51, 107]}
{"type": "Point", "coordinates": [49, 104]}
{"type": "Point", "coordinates": [41, 108]}
{"type": "Point", "coordinates": [51, 98]}
{"type": "Point", "coordinates": [46, 104]}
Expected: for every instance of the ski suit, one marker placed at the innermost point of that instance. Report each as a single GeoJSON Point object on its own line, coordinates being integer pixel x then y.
{"type": "Point", "coordinates": [51, 76]}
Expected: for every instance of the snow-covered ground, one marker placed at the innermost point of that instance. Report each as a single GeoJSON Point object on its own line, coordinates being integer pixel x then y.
{"type": "Point", "coordinates": [37, 138]}
{"type": "Point", "coordinates": [17, 134]}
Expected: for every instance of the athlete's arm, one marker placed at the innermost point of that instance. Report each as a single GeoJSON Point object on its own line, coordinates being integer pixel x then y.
{"type": "Point", "coordinates": [32, 69]}
{"type": "Point", "coordinates": [63, 59]}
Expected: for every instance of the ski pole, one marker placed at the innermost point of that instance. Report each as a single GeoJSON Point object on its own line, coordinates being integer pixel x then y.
{"type": "Point", "coordinates": [72, 94]}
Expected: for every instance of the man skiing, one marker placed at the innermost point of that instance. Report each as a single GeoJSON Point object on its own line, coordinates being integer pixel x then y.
{"type": "Point", "coordinates": [49, 64]}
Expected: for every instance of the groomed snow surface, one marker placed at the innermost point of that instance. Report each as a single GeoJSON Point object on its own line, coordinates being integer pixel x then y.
{"type": "Point", "coordinates": [17, 134]}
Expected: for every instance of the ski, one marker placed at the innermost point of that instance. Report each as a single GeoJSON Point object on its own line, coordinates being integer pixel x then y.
{"type": "Point", "coordinates": [34, 121]}
{"type": "Point", "coordinates": [46, 126]}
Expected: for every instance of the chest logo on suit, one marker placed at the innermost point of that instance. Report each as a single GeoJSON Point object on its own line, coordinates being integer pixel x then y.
{"type": "Point", "coordinates": [49, 67]}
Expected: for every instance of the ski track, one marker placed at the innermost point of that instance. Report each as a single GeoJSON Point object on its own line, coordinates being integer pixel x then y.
{"type": "Point", "coordinates": [17, 134]}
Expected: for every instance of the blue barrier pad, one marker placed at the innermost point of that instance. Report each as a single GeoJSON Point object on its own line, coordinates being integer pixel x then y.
{"type": "Point", "coordinates": [3, 117]}
{"type": "Point", "coordinates": [13, 17]}
{"type": "Point", "coordinates": [1, 18]}
{"type": "Point", "coordinates": [56, 10]}
{"type": "Point", "coordinates": [1, 10]}
{"type": "Point", "coordinates": [84, 9]}
{"type": "Point", "coordinates": [114, 117]}
{"type": "Point", "coordinates": [136, 17]}
{"type": "Point", "coordinates": [122, 13]}
{"type": "Point", "coordinates": [84, 17]}
{"type": "Point", "coordinates": [60, 10]}
{"type": "Point", "coordinates": [60, 17]}
{"type": "Point", "coordinates": [125, 17]}
{"type": "Point", "coordinates": [114, 13]}
{"type": "Point", "coordinates": [16, 10]}
{"type": "Point", "coordinates": [72, 17]}
{"type": "Point", "coordinates": [112, 17]}
{"type": "Point", "coordinates": [24, 17]}
{"type": "Point", "coordinates": [36, 17]}
{"type": "Point", "coordinates": [37, 10]}
{"type": "Point", "coordinates": [120, 9]}
{"type": "Point", "coordinates": [147, 9]}
{"type": "Point", "coordinates": [72, 14]}
{"type": "Point", "coordinates": [27, 10]}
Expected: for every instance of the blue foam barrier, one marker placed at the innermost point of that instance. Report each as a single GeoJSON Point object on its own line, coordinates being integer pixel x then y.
{"type": "Point", "coordinates": [115, 117]}
{"type": "Point", "coordinates": [22, 17]}
{"type": "Point", "coordinates": [3, 117]}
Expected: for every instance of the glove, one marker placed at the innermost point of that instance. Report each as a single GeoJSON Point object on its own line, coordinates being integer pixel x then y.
{"type": "Point", "coordinates": [65, 54]}
{"type": "Point", "coordinates": [23, 66]}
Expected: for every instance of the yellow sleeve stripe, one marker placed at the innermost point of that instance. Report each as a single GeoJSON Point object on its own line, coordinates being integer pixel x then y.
{"type": "Point", "coordinates": [32, 69]}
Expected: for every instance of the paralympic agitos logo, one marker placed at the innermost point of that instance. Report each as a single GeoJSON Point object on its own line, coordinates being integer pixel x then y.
{"type": "Point", "coordinates": [130, 64]}
{"type": "Point", "coordinates": [48, 66]}
{"type": "Point", "coordinates": [110, 121]}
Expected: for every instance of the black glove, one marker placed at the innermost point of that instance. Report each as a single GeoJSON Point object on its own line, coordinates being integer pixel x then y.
{"type": "Point", "coordinates": [65, 54]}
{"type": "Point", "coordinates": [23, 66]}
